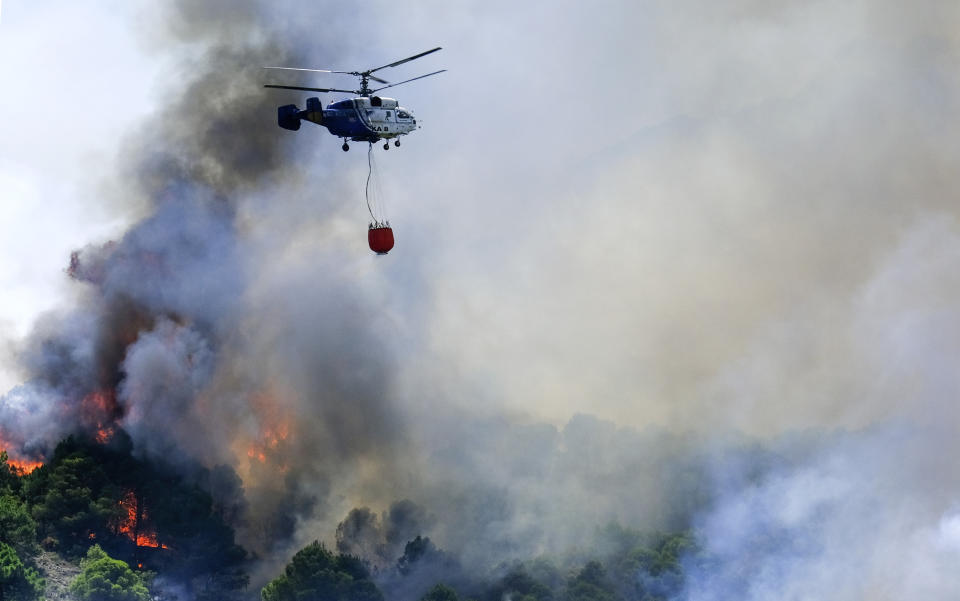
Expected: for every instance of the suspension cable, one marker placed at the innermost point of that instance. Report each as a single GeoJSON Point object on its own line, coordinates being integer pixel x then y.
{"type": "Point", "coordinates": [369, 173]}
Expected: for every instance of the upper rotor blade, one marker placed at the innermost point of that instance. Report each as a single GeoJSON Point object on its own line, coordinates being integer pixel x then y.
{"type": "Point", "coordinates": [359, 74]}
{"type": "Point", "coordinates": [408, 80]}
{"type": "Point", "coordinates": [408, 59]}
{"type": "Point", "coordinates": [299, 69]}
{"type": "Point", "coordinates": [310, 89]}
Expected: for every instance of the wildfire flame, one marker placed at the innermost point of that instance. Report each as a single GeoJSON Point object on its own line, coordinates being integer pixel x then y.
{"type": "Point", "coordinates": [18, 464]}
{"type": "Point", "coordinates": [99, 408]}
{"type": "Point", "coordinates": [134, 525]}
{"type": "Point", "coordinates": [266, 447]}
{"type": "Point", "coordinates": [23, 466]}
{"type": "Point", "coordinates": [270, 440]}
{"type": "Point", "coordinates": [104, 435]}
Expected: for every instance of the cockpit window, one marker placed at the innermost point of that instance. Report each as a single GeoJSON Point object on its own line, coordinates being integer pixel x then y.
{"type": "Point", "coordinates": [403, 114]}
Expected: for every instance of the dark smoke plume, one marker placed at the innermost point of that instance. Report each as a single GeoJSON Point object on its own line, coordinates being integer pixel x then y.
{"type": "Point", "coordinates": [170, 342]}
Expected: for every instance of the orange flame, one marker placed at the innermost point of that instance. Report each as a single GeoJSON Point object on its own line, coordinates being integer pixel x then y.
{"type": "Point", "coordinates": [269, 442]}
{"type": "Point", "coordinates": [267, 447]}
{"type": "Point", "coordinates": [134, 528]}
{"type": "Point", "coordinates": [18, 464]}
{"type": "Point", "coordinates": [149, 539]}
{"type": "Point", "coordinates": [23, 466]}
{"type": "Point", "coordinates": [99, 408]}
{"type": "Point", "coordinates": [104, 435]}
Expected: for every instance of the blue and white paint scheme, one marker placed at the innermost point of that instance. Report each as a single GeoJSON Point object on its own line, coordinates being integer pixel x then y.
{"type": "Point", "coordinates": [366, 118]}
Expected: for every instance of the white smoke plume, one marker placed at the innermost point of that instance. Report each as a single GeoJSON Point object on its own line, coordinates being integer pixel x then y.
{"type": "Point", "coordinates": [870, 513]}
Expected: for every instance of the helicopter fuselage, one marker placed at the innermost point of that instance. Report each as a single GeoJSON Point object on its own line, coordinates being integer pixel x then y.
{"type": "Point", "coordinates": [366, 119]}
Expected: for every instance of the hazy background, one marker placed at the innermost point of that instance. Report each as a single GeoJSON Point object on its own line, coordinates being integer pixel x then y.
{"type": "Point", "coordinates": [689, 220]}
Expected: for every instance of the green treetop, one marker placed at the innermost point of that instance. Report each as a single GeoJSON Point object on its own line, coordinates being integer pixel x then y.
{"type": "Point", "coordinates": [316, 574]}
{"type": "Point", "coordinates": [103, 578]}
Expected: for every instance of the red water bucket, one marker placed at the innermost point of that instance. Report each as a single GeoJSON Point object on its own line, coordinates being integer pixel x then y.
{"type": "Point", "coordinates": [380, 238]}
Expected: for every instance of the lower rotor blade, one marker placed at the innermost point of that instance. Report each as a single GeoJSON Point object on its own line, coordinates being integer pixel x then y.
{"type": "Point", "coordinates": [310, 89]}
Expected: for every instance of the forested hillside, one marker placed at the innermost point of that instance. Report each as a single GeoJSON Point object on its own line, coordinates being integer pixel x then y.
{"type": "Point", "coordinates": [94, 523]}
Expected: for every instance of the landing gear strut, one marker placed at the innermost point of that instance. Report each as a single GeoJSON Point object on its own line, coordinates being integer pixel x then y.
{"type": "Point", "coordinates": [345, 147]}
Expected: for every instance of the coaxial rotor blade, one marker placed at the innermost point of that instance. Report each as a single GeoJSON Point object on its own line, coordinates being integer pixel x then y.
{"type": "Point", "coordinates": [406, 60]}
{"type": "Point", "coordinates": [409, 80]}
{"type": "Point", "coordinates": [359, 74]}
{"type": "Point", "coordinates": [328, 71]}
{"type": "Point", "coordinates": [299, 69]}
{"type": "Point", "coordinates": [310, 89]}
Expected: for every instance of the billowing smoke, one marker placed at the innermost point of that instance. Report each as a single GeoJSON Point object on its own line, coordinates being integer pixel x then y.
{"type": "Point", "coordinates": [382, 538]}
{"type": "Point", "coordinates": [179, 339]}
{"type": "Point", "coordinates": [744, 293]}
{"type": "Point", "coordinates": [867, 513]}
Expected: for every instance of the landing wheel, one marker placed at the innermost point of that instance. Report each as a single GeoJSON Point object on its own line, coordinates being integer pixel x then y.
{"type": "Point", "coordinates": [345, 147]}
{"type": "Point", "coordinates": [386, 145]}
{"type": "Point", "coordinates": [396, 143]}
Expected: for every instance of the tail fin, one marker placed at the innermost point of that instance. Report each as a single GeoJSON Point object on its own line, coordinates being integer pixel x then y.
{"type": "Point", "coordinates": [314, 111]}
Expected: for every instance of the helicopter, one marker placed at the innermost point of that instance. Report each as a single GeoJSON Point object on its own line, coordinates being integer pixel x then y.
{"type": "Point", "coordinates": [366, 118]}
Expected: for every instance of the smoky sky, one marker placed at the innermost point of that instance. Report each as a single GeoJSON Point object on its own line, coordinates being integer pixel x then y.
{"type": "Point", "coordinates": [633, 239]}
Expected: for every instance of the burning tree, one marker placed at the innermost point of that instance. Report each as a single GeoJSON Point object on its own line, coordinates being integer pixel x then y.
{"type": "Point", "coordinates": [134, 523]}
{"type": "Point", "coordinates": [89, 493]}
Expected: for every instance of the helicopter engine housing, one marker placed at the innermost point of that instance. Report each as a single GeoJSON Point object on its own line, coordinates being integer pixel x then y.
{"type": "Point", "coordinates": [288, 117]}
